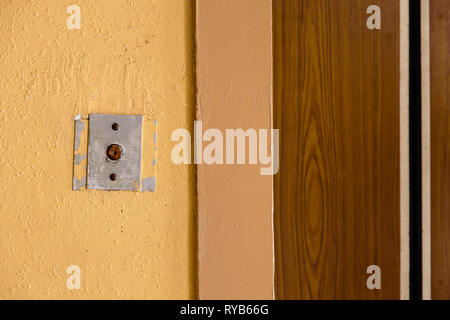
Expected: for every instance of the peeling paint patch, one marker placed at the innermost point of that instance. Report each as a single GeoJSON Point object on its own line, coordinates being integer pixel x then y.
{"type": "Point", "coordinates": [79, 184]}
{"type": "Point", "coordinates": [148, 184]}
{"type": "Point", "coordinates": [80, 154]}
{"type": "Point", "coordinates": [79, 127]}
{"type": "Point", "coordinates": [78, 158]}
{"type": "Point", "coordinates": [149, 156]}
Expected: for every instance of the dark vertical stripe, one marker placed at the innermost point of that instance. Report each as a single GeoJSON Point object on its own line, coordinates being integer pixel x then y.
{"type": "Point", "coordinates": [415, 152]}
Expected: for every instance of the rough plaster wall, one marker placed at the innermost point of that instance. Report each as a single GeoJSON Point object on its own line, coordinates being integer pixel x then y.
{"type": "Point", "coordinates": [129, 57]}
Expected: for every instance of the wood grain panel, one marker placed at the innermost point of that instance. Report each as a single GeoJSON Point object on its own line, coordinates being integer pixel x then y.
{"type": "Point", "coordinates": [336, 103]}
{"type": "Point", "coordinates": [440, 148]}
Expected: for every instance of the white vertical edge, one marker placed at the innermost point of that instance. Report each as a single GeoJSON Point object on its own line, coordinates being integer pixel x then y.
{"type": "Point", "coordinates": [404, 150]}
{"type": "Point", "coordinates": [426, 156]}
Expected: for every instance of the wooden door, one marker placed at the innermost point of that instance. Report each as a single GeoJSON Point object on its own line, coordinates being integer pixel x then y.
{"type": "Point", "coordinates": [436, 149]}
{"type": "Point", "coordinates": [337, 104]}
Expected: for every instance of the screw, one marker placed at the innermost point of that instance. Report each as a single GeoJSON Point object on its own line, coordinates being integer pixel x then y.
{"type": "Point", "coordinates": [114, 152]}
{"type": "Point", "coordinates": [113, 177]}
{"type": "Point", "coordinates": [115, 126]}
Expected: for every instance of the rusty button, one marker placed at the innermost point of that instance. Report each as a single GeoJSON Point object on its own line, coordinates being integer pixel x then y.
{"type": "Point", "coordinates": [114, 152]}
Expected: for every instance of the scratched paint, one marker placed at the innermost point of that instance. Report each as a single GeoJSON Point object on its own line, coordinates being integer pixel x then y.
{"type": "Point", "coordinates": [78, 158]}
{"type": "Point", "coordinates": [149, 184]}
{"type": "Point", "coordinates": [80, 151]}
{"type": "Point", "coordinates": [148, 170]}
{"type": "Point", "coordinates": [130, 57]}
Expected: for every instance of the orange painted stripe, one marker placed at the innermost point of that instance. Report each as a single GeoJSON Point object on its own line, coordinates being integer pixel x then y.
{"type": "Point", "coordinates": [234, 79]}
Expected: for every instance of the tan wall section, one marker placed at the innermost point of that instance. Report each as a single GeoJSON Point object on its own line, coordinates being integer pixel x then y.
{"type": "Point", "coordinates": [129, 57]}
{"type": "Point", "coordinates": [234, 63]}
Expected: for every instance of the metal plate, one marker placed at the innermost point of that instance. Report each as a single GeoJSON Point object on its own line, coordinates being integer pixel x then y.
{"type": "Point", "coordinates": [128, 168]}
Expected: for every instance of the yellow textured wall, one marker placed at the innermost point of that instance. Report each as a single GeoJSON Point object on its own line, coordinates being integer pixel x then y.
{"type": "Point", "coordinates": [130, 56]}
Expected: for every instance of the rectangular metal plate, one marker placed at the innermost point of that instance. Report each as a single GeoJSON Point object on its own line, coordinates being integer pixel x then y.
{"type": "Point", "coordinates": [128, 168]}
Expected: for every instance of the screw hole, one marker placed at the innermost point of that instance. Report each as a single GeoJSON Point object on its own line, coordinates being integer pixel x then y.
{"type": "Point", "coordinates": [115, 126]}
{"type": "Point", "coordinates": [113, 177]}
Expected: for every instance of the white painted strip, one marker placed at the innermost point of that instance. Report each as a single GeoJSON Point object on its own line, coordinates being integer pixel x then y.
{"type": "Point", "coordinates": [404, 150]}
{"type": "Point", "coordinates": [426, 156]}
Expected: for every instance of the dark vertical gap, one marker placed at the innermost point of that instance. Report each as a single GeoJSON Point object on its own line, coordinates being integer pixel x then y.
{"type": "Point", "coordinates": [191, 58]}
{"type": "Point", "coordinates": [415, 144]}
